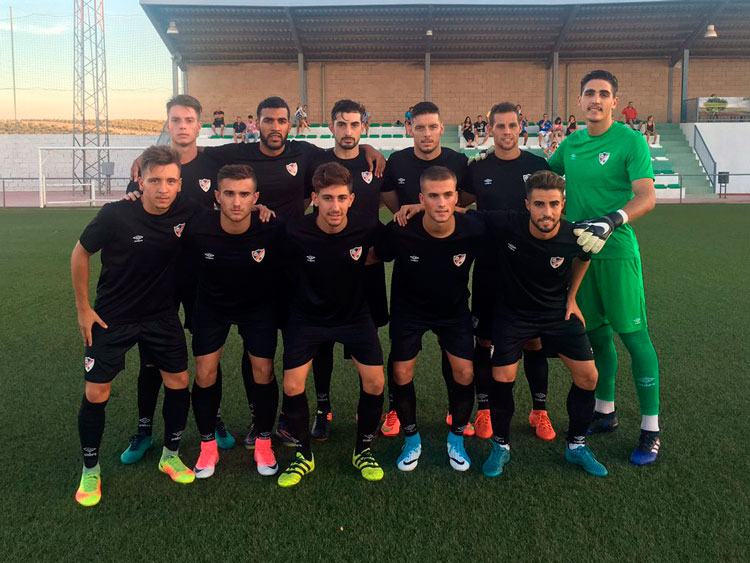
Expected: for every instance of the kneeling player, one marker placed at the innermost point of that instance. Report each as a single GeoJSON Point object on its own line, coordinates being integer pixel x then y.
{"type": "Point", "coordinates": [134, 305]}
{"type": "Point", "coordinates": [433, 255]}
{"type": "Point", "coordinates": [327, 255]}
{"type": "Point", "coordinates": [542, 270]}
{"type": "Point", "coordinates": [238, 256]}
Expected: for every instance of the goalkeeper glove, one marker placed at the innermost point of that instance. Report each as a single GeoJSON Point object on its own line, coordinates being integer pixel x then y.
{"type": "Point", "coordinates": [593, 233]}
{"type": "Point", "coordinates": [479, 156]}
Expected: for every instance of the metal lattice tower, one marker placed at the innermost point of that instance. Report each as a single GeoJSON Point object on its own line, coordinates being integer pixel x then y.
{"type": "Point", "coordinates": [90, 112]}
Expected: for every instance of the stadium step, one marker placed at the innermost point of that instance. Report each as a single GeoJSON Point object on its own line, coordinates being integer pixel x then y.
{"type": "Point", "coordinates": [683, 160]}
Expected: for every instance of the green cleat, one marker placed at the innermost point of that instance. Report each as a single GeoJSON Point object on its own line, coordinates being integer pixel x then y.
{"type": "Point", "coordinates": [138, 445]}
{"type": "Point", "coordinates": [293, 474]}
{"type": "Point", "coordinates": [584, 457]}
{"type": "Point", "coordinates": [367, 466]}
{"type": "Point", "coordinates": [499, 458]}
{"type": "Point", "coordinates": [171, 464]}
{"type": "Point", "coordinates": [89, 491]}
{"type": "Point", "coordinates": [224, 439]}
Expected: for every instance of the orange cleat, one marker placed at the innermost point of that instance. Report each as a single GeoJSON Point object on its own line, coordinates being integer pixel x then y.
{"type": "Point", "coordinates": [468, 431]}
{"type": "Point", "coordinates": [540, 421]}
{"type": "Point", "coordinates": [264, 457]}
{"type": "Point", "coordinates": [483, 424]}
{"type": "Point", "coordinates": [391, 424]}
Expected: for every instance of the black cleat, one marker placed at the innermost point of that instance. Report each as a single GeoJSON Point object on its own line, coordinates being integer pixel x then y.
{"type": "Point", "coordinates": [603, 423]}
{"type": "Point", "coordinates": [321, 429]}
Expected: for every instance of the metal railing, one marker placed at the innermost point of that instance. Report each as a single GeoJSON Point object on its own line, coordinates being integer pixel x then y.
{"type": "Point", "coordinates": [706, 158]}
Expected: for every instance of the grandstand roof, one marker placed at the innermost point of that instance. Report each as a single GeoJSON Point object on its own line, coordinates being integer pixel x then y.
{"type": "Point", "coordinates": [251, 30]}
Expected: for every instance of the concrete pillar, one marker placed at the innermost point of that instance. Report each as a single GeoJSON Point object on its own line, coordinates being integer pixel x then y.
{"type": "Point", "coordinates": [427, 77]}
{"type": "Point", "coordinates": [555, 83]}
{"type": "Point", "coordinates": [685, 76]}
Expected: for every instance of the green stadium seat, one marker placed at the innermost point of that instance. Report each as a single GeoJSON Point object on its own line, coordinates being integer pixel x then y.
{"type": "Point", "coordinates": [374, 124]}
{"type": "Point", "coordinates": [386, 136]}
{"type": "Point", "coordinates": [375, 136]}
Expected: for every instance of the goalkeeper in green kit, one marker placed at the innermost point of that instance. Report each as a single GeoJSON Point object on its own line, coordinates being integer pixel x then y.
{"type": "Point", "coordinates": [610, 182]}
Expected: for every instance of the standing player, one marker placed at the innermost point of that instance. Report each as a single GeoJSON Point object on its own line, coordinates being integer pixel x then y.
{"type": "Point", "coordinates": [237, 257]}
{"type": "Point", "coordinates": [347, 122]}
{"type": "Point", "coordinates": [134, 305]}
{"type": "Point", "coordinates": [328, 254]}
{"type": "Point", "coordinates": [198, 173]}
{"type": "Point", "coordinates": [542, 270]}
{"type": "Point", "coordinates": [401, 192]}
{"type": "Point", "coordinates": [498, 182]}
{"type": "Point", "coordinates": [433, 255]}
{"type": "Point", "coordinates": [609, 175]}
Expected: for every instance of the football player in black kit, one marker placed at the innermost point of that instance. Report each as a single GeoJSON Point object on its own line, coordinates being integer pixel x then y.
{"type": "Point", "coordinates": [542, 269]}
{"type": "Point", "coordinates": [327, 256]}
{"type": "Point", "coordinates": [498, 182]}
{"type": "Point", "coordinates": [134, 305]}
{"type": "Point", "coordinates": [401, 191]}
{"type": "Point", "coordinates": [346, 126]}
{"type": "Point", "coordinates": [433, 255]}
{"type": "Point", "coordinates": [198, 174]}
{"type": "Point", "coordinates": [234, 250]}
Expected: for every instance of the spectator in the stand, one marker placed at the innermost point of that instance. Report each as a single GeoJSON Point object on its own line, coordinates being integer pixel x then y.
{"type": "Point", "coordinates": [558, 131]}
{"type": "Point", "coordinates": [480, 129]}
{"type": "Point", "coordinates": [218, 122]}
{"type": "Point", "coordinates": [572, 125]}
{"type": "Point", "coordinates": [238, 130]}
{"type": "Point", "coordinates": [467, 130]}
{"type": "Point", "coordinates": [650, 130]}
{"type": "Point", "coordinates": [630, 114]}
{"type": "Point", "coordinates": [550, 149]}
{"type": "Point", "coordinates": [300, 118]}
{"type": "Point", "coordinates": [252, 133]}
{"type": "Point", "coordinates": [366, 118]}
{"type": "Point", "coordinates": [407, 119]}
{"type": "Point", "coordinates": [524, 123]}
{"type": "Point", "coordinates": [544, 126]}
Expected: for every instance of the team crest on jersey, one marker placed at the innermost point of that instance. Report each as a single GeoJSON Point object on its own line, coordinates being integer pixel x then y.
{"type": "Point", "coordinates": [292, 168]}
{"type": "Point", "coordinates": [367, 176]}
{"type": "Point", "coordinates": [259, 254]}
{"type": "Point", "coordinates": [355, 252]}
{"type": "Point", "coordinates": [603, 158]}
{"type": "Point", "coordinates": [88, 364]}
{"type": "Point", "coordinates": [205, 184]}
{"type": "Point", "coordinates": [459, 259]}
{"type": "Point", "coordinates": [526, 177]}
{"type": "Point", "coordinates": [178, 229]}
{"type": "Point", "coordinates": [556, 261]}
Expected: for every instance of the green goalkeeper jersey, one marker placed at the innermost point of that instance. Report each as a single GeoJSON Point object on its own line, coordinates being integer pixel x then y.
{"type": "Point", "coordinates": [598, 174]}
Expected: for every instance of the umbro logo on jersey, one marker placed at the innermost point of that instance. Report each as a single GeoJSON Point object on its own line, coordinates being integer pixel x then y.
{"type": "Point", "coordinates": [526, 177]}
{"type": "Point", "coordinates": [205, 184]}
{"type": "Point", "coordinates": [603, 158]}
{"type": "Point", "coordinates": [556, 261]}
{"type": "Point", "coordinates": [401, 181]}
{"type": "Point", "coordinates": [355, 252]}
{"type": "Point", "coordinates": [259, 254]}
{"type": "Point", "coordinates": [292, 168]}
{"type": "Point", "coordinates": [414, 258]}
{"type": "Point", "coordinates": [459, 259]}
{"type": "Point", "coordinates": [138, 238]}
{"type": "Point", "coordinates": [88, 364]}
{"type": "Point", "coordinates": [367, 176]}
{"type": "Point", "coordinates": [311, 259]}
{"type": "Point", "coordinates": [573, 156]}
{"type": "Point", "coordinates": [488, 181]}
{"type": "Point", "coordinates": [208, 256]}
{"type": "Point", "coordinates": [178, 229]}
{"type": "Point", "coordinates": [511, 246]}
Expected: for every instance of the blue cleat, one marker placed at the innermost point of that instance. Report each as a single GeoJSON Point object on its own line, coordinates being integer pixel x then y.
{"type": "Point", "coordinates": [584, 457]}
{"type": "Point", "coordinates": [647, 449]}
{"type": "Point", "coordinates": [457, 455]}
{"type": "Point", "coordinates": [224, 439]}
{"type": "Point", "coordinates": [499, 457]}
{"type": "Point", "coordinates": [410, 452]}
{"type": "Point", "coordinates": [603, 423]}
{"type": "Point", "coordinates": [138, 445]}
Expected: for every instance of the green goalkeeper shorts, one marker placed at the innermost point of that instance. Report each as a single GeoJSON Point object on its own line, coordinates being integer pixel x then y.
{"type": "Point", "coordinates": [612, 292]}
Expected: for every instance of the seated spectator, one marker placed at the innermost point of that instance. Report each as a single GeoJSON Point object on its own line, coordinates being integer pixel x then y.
{"type": "Point", "coordinates": [544, 126]}
{"type": "Point", "coordinates": [480, 128]}
{"type": "Point", "coordinates": [252, 133]}
{"type": "Point", "coordinates": [239, 128]}
{"type": "Point", "coordinates": [631, 115]}
{"type": "Point", "coordinates": [550, 149]}
{"type": "Point", "coordinates": [557, 134]}
{"type": "Point", "coordinates": [366, 118]}
{"type": "Point", "coordinates": [650, 130]}
{"type": "Point", "coordinates": [407, 119]}
{"type": "Point", "coordinates": [218, 122]}
{"type": "Point", "coordinates": [524, 125]}
{"type": "Point", "coordinates": [572, 125]}
{"type": "Point", "coordinates": [300, 119]}
{"type": "Point", "coordinates": [467, 130]}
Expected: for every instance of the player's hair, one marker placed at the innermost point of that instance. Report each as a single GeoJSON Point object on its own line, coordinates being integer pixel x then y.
{"type": "Point", "coordinates": [331, 174]}
{"type": "Point", "coordinates": [274, 102]}
{"type": "Point", "coordinates": [544, 180]}
{"type": "Point", "coordinates": [424, 108]}
{"type": "Point", "coordinates": [237, 172]}
{"type": "Point", "coordinates": [503, 107]}
{"type": "Point", "coordinates": [436, 174]}
{"type": "Point", "coordinates": [347, 106]}
{"type": "Point", "coordinates": [159, 155]}
{"type": "Point", "coordinates": [186, 101]}
{"type": "Point", "coordinates": [600, 75]}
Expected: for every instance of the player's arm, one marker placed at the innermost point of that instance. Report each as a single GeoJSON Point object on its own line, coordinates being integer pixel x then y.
{"type": "Point", "coordinates": [80, 274]}
{"type": "Point", "coordinates": [390, 200]}
{"type": "Point", "coordinates": [578, 270]}
{"type": "Point", "coordinates": [375, 159]}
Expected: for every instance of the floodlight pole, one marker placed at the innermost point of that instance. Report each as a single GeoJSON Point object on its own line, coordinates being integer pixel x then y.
{"type": "Point", "coordinates": [13, 67]}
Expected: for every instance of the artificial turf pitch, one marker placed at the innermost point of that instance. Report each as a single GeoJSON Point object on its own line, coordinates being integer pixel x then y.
{"type": "Point", "coordinates": [691, 506]}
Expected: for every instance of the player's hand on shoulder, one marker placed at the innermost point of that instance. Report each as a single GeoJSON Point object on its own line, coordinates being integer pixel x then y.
{"type": "Point", "coordinates": [264, 213]}
{"type": "Point", "coordinates": [375, 159]}
{"type": "Point", "coordinates": [406, 212]}
{"type": "Point", "coordinates": [132, 196]}
{"type": "Point", "coordinates": [86, 320]}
